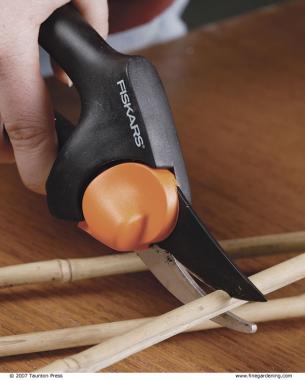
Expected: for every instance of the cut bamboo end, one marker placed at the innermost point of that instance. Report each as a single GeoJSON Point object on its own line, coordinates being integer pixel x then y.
{"type": "Point", "coordinates": [282, 308]}
{"type": "Point", "coordinates": [175, 321]}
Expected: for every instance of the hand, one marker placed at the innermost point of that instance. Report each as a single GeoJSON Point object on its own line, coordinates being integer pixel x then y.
{"type": "Point", "coordinates": [25, 106]}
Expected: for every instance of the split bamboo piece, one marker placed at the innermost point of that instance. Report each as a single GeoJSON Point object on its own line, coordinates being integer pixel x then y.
{"type": "Point", "coordinates": [77, 269]}
{"type": "Point", "coordinates": [175, 321]}
{"type": "Point", "coordinates": [282, 308]}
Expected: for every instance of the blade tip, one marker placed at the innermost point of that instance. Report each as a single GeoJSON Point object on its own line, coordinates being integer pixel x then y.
{"type": "Point", "coordinates": [252, 296]}
{"type": "Point", "coordinates": [248, 292]}
{"type": "Point", "coordinates": [259, 297]}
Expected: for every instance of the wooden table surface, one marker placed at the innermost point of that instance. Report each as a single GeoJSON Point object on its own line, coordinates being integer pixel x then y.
{"type": "Point", "coordinates": [237, 91]}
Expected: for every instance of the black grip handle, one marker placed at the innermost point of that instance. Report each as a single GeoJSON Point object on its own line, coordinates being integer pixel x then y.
{"type": "Point", "coordinates": [76, 47]}
{"type": "Point", "coordinates": [64, 129]}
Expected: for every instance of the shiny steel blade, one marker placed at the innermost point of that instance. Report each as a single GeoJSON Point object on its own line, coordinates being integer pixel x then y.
{"type": "Point", "coordinates": [176, 279]}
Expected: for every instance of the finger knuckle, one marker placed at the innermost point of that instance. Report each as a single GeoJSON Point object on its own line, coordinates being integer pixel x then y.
{"type": "Point", "coordinates": [29, 135]}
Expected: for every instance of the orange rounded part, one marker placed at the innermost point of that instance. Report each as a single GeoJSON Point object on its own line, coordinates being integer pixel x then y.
{"type": "Point", "coordinates": [130, 206]}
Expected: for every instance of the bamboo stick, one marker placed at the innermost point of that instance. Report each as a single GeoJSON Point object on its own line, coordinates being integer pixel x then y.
{"type": "Point", "coordinates": [291, 242]}
{"type": "Point", "coordinates": [175, 321]}
{"type": "Point", "coordinates": [69, 270]}
{"type": "Point", "coordinates": [282, 308]}
{"type": "Point", "coordinates": [77, 269]}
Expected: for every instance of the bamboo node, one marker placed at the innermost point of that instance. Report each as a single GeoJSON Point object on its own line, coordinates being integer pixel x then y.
{"type": "Point", "coordinates": [65, 270]}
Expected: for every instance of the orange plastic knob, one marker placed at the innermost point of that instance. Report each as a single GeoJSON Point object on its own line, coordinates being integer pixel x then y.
{"type": "Point", "coordinates": [130, 206]}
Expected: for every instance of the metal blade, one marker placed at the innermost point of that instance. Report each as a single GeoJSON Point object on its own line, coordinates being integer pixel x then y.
{"type": "Point", "coordinates": [178, 281]}
{"type": "Point", "coordinates": [194, 247]}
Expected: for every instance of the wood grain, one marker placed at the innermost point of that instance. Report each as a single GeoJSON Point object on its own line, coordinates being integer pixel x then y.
{"type": "Point", "coordinates": [237, 91]}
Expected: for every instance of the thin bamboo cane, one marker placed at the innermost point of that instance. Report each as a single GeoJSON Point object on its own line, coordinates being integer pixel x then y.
{"type": "Point", "coordinates": [69, 270]}
{"type": "Point", "coordinates": [175, 321]}
{"type": "Point", "coordinates": [291, 242]}
{"type": "Point", "coordinates": [282, 308]}
{"type": "Point", "coordinates": [77, 269]}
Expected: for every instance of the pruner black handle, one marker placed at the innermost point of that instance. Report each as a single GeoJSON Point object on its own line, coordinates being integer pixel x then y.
{"type": "Point", "coordinates": [64, 129]}
{"type": "Point", "coordinates": [125, 115]}
{"type": "Point", "coordinates": [79, 50]}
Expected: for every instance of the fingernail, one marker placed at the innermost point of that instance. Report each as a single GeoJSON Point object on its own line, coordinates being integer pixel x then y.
{"type": "Point", "coordinates": [68, 81]}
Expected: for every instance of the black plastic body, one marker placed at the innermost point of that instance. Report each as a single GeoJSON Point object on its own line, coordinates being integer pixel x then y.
{"type": "Point", "coordinates": [125, 115]}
